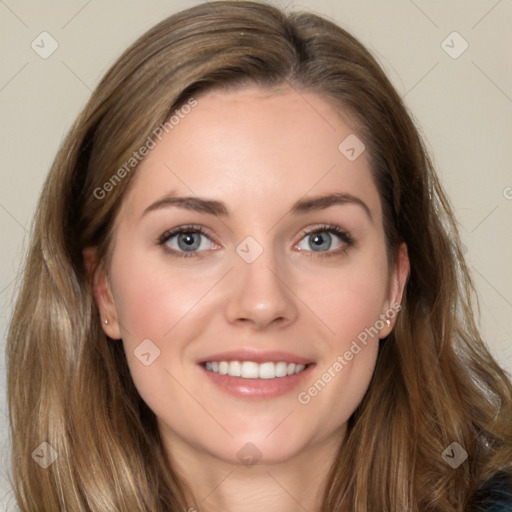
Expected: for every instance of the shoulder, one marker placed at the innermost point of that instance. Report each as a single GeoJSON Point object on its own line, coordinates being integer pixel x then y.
{"type": "Point", "coordinates": [495, 495]}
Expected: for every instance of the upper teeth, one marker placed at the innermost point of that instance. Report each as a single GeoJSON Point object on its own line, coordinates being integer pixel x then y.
{"type": "Point", "coordinates": [252, 370]}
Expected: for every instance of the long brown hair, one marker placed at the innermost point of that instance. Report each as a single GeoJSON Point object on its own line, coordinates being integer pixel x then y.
{"type": "Point", "coordinates": [68, 385]}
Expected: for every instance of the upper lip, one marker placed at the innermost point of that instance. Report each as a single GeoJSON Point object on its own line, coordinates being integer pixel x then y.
{"type": "Point", "coordinates": [258, 356]}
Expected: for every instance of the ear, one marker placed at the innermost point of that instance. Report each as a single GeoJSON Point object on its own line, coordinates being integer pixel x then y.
{"type": "Point", "coordinates": [102, 293]}
{"type": "Point", "coordinates": [397, 282]}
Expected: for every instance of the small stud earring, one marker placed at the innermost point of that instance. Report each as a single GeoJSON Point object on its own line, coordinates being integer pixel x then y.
{"type": "Point", "coordinates": [106, 322]}
{"type": "Point", "coordinates": [388, 321]}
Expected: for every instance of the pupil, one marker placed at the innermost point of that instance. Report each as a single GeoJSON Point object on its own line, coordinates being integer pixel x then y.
{"type": "Point", "coordinates": [322, 240]}
{"type": "Point", "coordinates": [187, 241]}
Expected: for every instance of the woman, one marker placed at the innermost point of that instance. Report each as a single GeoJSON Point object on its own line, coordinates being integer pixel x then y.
{"type": "Point", "coordinates": [247, 291]}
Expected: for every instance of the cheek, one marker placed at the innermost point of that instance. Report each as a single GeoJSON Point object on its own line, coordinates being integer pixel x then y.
{"type": "Point", "coordinates": [155, 302]}
{"type": "Point", "coordinates": [349, 299]}
{"type": "Point", "coordinates": [152, 296]}
{"type": "Point", "coordinates": [349, 302]}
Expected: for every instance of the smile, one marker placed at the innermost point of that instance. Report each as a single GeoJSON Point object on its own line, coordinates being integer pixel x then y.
{"type": "Point", "coordinates": [254, 370]}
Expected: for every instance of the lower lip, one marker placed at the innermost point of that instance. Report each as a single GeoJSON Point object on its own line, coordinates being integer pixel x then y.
{"type": "Point", "coordinates": [259, 389]}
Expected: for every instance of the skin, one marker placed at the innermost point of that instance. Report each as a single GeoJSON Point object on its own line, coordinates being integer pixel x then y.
{"type": "Point", "coordinates": [258, 151]}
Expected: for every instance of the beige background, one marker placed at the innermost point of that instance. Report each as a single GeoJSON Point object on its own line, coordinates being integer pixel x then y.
{"type": "Point", "coordinates": [462, 105]}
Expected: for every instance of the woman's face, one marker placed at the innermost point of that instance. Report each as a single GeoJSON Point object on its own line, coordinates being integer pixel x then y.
{"type": "Point", "coordinates": [254, 295]}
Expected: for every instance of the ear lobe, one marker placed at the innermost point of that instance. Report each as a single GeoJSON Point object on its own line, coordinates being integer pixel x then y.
{"type": "Point", "coordinates": [398, 281]}
{"type": "Point", "coordinates": [102, 293]}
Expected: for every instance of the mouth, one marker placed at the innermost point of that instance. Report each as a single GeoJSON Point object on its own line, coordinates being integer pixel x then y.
{"type": "Point", "coordinates": [254, 370]}
{"type": "Point", "coordinates": [256, 375]}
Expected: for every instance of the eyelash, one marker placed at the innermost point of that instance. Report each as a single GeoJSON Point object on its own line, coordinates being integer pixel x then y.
{"type": "Point", "coordinates": [343, 235]}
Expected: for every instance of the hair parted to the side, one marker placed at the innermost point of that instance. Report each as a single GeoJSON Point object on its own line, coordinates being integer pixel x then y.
{"type": "Point", "coordinates": [435, 381]}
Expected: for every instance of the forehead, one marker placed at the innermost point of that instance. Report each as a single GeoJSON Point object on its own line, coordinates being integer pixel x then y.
{"type": "Point", "coordinates": [253, 146]}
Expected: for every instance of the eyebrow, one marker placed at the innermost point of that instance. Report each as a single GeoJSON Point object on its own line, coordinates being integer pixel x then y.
{"type": "Point", "coordinates": [219, 209]}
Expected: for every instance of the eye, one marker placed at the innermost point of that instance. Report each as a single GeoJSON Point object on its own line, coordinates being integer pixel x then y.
{"type": "Point", "coordinates": [185, 241]}
{"type": "Point", "coordinates": [322, 240]}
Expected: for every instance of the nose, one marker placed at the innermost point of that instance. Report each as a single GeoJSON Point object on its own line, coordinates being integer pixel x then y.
{"type": "Point", "coordinates": [260, 295]}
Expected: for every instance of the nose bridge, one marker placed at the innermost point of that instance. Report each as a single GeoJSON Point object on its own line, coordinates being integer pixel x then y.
{"type": "Point", "coordinates": [258, 290]}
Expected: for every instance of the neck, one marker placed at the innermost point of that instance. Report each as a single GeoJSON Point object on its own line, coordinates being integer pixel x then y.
{"type": "Point", "coordinates": [213, 484]}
